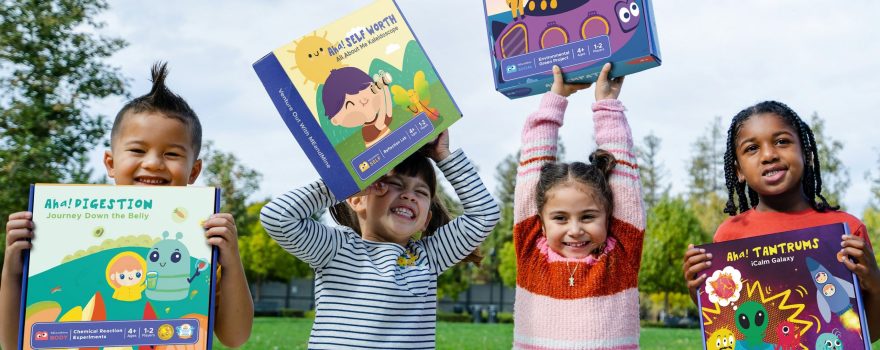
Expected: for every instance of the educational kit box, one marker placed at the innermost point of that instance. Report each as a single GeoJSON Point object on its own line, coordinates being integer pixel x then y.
{"type": "Point", "coordinates": [787, 290]}
{"type": "Point", "coordinates": [528, 37]}
{"type": "Point", "coordinates": [122, 267]}
{"type": "Point", "coordinates": [359, 95]}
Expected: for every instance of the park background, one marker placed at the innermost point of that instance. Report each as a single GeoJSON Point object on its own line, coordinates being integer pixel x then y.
{"type": "Point", "coordinates": [66, 67]}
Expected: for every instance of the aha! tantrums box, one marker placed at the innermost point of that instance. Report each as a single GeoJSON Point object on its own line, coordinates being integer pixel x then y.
{"type": "Point", "coordinates": [528, 37]}
{"type": "Point", "coordinates": [359, 95]}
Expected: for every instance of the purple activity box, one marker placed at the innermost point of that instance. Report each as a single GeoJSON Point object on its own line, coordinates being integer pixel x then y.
{"type": "Point", "coordinates": [528, 37]}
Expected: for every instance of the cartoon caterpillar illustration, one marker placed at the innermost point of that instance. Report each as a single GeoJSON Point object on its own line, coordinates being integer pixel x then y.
{"type": "Point", "coordinates": [168, 269]}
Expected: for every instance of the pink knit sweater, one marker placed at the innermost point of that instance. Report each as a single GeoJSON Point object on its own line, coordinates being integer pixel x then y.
{"type": "Point", "coordinates": [602, 310]}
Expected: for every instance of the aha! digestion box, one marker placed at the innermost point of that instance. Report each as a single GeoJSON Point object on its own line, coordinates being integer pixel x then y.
{"type": "Point", "coordinates": [122, 267]}
{"type": "Point", "coordinates": [359, 95]}
{"type": "Point", "coordinates": [528, 37]}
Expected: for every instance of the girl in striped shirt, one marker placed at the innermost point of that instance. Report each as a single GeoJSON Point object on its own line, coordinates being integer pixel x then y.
{"type": "Point", "coordinates": [376, 275]}
{"type": "Point", "coordinates": [579, 230]}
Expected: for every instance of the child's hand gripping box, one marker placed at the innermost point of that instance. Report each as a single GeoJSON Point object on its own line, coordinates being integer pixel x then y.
{"type": "Point", "coordinates": [528, 37]}
{"type": "Point", "coordinates": [359, 95]}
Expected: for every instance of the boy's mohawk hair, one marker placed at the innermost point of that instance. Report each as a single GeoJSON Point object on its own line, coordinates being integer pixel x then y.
{"type": "Point", "coordinates": [162, 100]}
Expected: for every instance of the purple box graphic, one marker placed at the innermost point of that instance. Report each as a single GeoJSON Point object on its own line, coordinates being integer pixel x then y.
{"type": "Point", "coordinates": [621, 32]}
{"type": "Point", "coordinates": [787, 290]}
{"type": "Point", "coordinates": [114, 333]}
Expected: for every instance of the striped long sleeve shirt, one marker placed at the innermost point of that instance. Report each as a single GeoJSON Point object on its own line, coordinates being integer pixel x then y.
{"type": "Point", "coordinates": [601, 310]}
{"type": "Point", "coordinates": [364, 299]}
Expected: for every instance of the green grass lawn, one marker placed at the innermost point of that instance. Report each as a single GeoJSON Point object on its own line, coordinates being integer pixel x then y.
{"type": "Point", "coordinates": [293, 333]}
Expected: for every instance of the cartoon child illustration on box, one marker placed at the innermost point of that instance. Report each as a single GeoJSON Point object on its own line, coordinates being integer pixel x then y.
{"type": "Point", "coordinates": [352, 99]}
{"type": "Point", "coordinates": [125, 274]}
{"type": "Point", "coordinates": [168, 269]}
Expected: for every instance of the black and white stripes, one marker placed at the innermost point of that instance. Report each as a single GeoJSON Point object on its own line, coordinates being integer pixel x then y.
{"type": "Point", "coordinates": [364, 300]}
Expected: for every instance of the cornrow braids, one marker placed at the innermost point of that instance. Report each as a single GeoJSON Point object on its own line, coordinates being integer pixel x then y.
{"type": "Point", "coordinates": [741, 197]}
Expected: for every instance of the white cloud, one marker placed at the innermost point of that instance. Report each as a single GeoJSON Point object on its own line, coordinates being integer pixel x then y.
{"type": "Point", "coordinates": [391, 49]}
{"type": "Point", "coordinates": [718, 57]}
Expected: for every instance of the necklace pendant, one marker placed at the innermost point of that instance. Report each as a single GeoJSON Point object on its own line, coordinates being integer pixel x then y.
{"type": "Point", "coordinates": [571, 281]}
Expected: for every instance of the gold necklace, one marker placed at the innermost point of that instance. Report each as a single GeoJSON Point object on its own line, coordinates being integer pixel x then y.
{"type": "Point", "coordinates": [571, 273]}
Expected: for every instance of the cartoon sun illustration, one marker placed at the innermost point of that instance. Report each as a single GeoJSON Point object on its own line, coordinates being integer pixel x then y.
{"type": "Point", "coordinates": [312, 58]}
{"type": "Point", "coordinates": [724, 285]}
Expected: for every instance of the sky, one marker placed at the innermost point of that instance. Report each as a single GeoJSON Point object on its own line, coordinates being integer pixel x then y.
{"type": "Point", "coordinates": [718, 58]}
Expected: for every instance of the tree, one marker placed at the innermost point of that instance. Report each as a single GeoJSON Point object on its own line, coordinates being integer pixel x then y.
{"type": "Point", "coordinates": [456, 279]}
{"type": "Point", "coordinates": [835, 175]}
{"type": "Point", "coordinates": [263, 259]}
{"type": "Point", "coordinates": [651, 170]}
{"type": "Point", "coordinates": [236, 182]}
{"type": "Point", "coordinates": [671, 227]}
{"type": "Point", "coordinates": [871, 218]}
{"type": "Point", "coordinates": [503, 231]}
{"type": "Point", "coordinates": [875, 185]}
{"type": "Point", "coordinates": [51, 66]}
{"type": "Point", "coordinates": [707, 164]}
{"type": "Point", "coordinates": [707, 194]}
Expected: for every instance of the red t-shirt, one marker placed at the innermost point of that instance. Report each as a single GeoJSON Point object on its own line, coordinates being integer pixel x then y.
{"type": "Point", "coordinates": [754, 223]}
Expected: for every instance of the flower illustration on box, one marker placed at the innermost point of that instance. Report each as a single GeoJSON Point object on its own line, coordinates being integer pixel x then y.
{"type": "Point", "coordinates": [724, 286]}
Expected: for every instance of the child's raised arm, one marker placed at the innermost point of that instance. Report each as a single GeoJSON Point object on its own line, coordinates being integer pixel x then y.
{"type": "Point", "coordinates": [539, 141]}
{"type": "Point", "coordinates": [456, 240]}
{"type": "Point", "coordinates": [288, 220]}
{"type": "Point", "coordinates": [613, 134]}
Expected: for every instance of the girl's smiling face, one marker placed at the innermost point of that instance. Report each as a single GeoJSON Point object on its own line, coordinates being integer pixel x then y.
{"type": "Point", "coordinates": [398, 208]}
{"type": "Point", "coordinates": [574, 222]}
{"type": "Point", "coordinates": [769, 157]}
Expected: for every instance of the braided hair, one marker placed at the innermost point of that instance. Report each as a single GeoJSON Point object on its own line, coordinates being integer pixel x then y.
{"type": "Point", "coordinates": [811, 180]}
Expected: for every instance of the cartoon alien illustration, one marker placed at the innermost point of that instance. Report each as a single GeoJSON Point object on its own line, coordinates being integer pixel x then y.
{"type": "Point", "coordinates": [353, 99]}
{"type": "Point", "coordinates": [168, 269]}
{"type": "Point", "coordinates": [125, 273]}
{"type": "Point", "coordinates": [751, 320]}
{"type": "Point", "coordinates": [721, 339]}
{"type": "Point", "coordinates": [788, 335]}
{"type": "Point", "coordinates": [516, 8]}
{"type": "Point", "coordinates": [565, 22]}
{"type": "Point", "coordinates": [627, 14]}
{"type": "Point", "coordinates": [312, 58]}
{"type": "Point", "coordinates": [829, 341]}
{"type": "Point", "coordinates": [833, 294]}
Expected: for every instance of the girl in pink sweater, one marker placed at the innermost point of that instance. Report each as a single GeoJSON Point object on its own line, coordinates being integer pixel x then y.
{"type": "Point", "coordinates": [579, 230]}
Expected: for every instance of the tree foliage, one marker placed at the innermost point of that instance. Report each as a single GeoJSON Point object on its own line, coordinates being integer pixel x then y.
{"type": "Point", "coordinates": [671, 227]}
{"type": "Point", "coordinates": [457, 278]}
{"type": "Point", "coordinates": [263, 259]}
{"type": "Point", "coordinates": [835, 175]}
{"type": "Point", "coordinates": [871, 219]}
{"type": "Point", "coordinates": [706, 169]}
{"type": "Point", "coordinates": [52, 64]}
{"type": "Point", "coordinates": [236, 182]}
{"type": "Point", "coordinates": [651, 170]}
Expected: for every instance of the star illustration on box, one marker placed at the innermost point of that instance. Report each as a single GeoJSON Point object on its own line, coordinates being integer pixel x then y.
{"type": "Point", "coordinates": [782, 291]}
{"type": "Point", "coordinates": [121, 272]}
